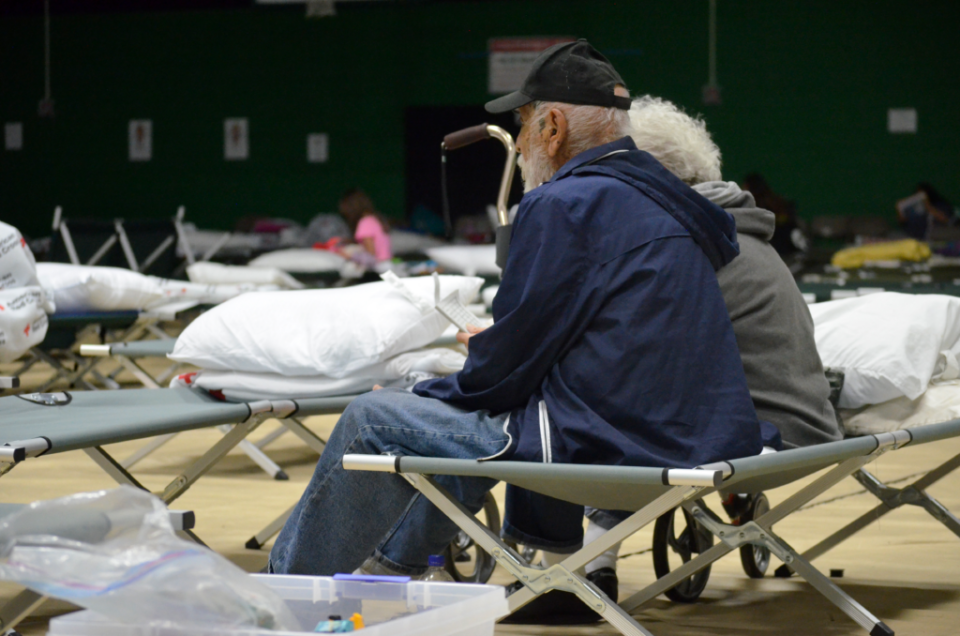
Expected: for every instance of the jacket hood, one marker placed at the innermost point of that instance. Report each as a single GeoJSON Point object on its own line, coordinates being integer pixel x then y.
{"type": "Point", "coordinates": [711, 227]}
{"type": "Point", "coordinates": [742, 206]}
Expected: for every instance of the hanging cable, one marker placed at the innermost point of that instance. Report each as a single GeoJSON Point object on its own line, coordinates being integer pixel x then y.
{"type": "Point", "coordinates": [447, 223]}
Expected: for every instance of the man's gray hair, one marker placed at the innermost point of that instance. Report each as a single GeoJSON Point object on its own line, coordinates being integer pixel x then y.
{"type": "Point", "coordinates": [678, 141]}
{"type": "Point", "coordinates": [587, 126]}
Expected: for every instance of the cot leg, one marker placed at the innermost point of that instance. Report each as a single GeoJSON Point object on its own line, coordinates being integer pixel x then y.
{"type": "Point", "coordinates": [146, 449]}
{"type": "Point", "coordinates": [891, 498]}
{"type": "Point", "coordinates": [137, 371]}
{"type": "Point", "coordinates": [258, 540]}
{"type": "Point", "coordinates": [34, 358]}
{"type": "Point", "coordinates": [208, 460]}
{"type": "Point", "coordinates": [171, 371]}
{"type": "Point", "coordinates": [838, 597]}
{"type": "Point", "coordinates": [258, 456]}
{"type": "Point", "coordinates": [767, 521]}
{"type": "Point", "coordinates": [669, 581]}
{"type": "Point", "coordinates": [61, 372]}
{"type": "Point", "coordinates": [562, 576]}
{"type": "Point", "coordinates": [311, 439]}
{"type": "Point", "coordinates": [112, 467]}
{"type": "Point", "coordinates": [18, 608]}
{"type": "Point", "coordinates": [270, 437]}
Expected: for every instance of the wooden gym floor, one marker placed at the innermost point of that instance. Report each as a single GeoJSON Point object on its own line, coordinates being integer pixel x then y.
{"type": "Point", "coordinates": [905, 569]}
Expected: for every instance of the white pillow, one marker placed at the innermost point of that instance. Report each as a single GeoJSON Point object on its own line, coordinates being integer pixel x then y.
{"type": "Point", "coordinates": [219, 274]}
{"type": "Point", "coordinates": [86, 288]}
{"type": "Point", "coordinates": [888, 345]}
{"type": "Point", "coordinates": [467, 259]}
{"type": "Point", "coordinates": [17, 265]}
{"type": "Point", "coordinates": [402, 371]}
{"type": "Point", "coordinates": [489, 294]}
{"type": "Point", "coordinates": [23, 321]}
{"type": "Point", "coordinates": [301, 261]}
{"type": "Point", "coordinates": [402, 242]}
{"type": "Point", "coordinates": [331, 332]}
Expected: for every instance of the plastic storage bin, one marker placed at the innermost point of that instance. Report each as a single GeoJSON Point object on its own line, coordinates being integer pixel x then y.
{"type": "Point", "coordinates": [388, 608]}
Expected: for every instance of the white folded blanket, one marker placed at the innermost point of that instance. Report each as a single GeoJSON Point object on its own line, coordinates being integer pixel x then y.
{"type": "Point", "coordinates": [402, 371]}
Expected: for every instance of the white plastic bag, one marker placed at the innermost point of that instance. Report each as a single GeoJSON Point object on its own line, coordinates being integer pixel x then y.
{"type": "Point", "coordinates": [23, 320]}
{"type": "Point", "coordinates": [115, 552]}
{"type": "Point", "coordinates": [17, 265]}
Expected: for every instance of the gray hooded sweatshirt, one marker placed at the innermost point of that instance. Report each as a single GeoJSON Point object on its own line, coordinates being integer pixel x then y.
{"type": "Point", "coordinates": [773, 327]}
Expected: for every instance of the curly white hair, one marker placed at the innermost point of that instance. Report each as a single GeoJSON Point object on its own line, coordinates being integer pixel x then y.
{"type": "Point", "coordinates": [678, 141]}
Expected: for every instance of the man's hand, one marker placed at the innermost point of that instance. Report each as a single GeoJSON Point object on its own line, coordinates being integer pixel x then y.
{"type": "Point", "coordinates": [464, 338]}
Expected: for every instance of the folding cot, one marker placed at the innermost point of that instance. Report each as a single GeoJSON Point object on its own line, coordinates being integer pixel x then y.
{"type": "Point", "coordinates": [38, 424]}
{"type": "Point", "coordinates": [145, 246]}
{"type": "Point", "coordinates": [44, 423]}
{"type": "Point", "coordinates": [84, 527]}
{"type": "Point", "coordinates": [127, 353]}
{"type": "Point", "coordinates": [122, 326]}
{"type": "Point", "coordinates": [651, 492]}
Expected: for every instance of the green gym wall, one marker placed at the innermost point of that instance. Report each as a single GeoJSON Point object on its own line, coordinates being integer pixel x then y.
{"type": "Point", "coordinates": [806, 87]}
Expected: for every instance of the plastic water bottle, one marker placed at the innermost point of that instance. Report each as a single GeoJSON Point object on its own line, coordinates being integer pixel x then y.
{"type": "Point", "coordinates": [436, 572]}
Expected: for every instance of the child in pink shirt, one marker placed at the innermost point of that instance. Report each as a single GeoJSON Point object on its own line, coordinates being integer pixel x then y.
{"type": "Point", "coordinates": [370, 234]}
{"type": "Point", "coordinates": [369, 228]}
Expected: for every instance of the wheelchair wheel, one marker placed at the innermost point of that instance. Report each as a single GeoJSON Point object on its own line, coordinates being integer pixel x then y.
{"type": "Point", "coordinates": [756, 559]}
{"type": "Point", "coordinates": [677, 538]}
{"type": "Point", "coordinates": [467, 562]}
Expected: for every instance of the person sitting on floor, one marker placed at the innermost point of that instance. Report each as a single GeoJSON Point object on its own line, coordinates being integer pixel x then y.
{"type": "Point", "coordinates": [611, 345]}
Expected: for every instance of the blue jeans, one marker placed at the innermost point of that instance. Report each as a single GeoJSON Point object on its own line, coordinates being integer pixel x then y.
{"type": "Point", "coordinates": [344, 515]}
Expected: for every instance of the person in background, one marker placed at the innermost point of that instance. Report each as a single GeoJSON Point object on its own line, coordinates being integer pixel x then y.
{"type": "Point", "coordinates": [785, 213]}
{"type": "Point", "coordinates": [368, 226]}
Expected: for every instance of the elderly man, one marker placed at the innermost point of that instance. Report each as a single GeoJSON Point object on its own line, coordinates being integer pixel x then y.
{"type": "Point", "coordinates": [773, 327]}
{"type": "Point", "coordinates": [611, 345]}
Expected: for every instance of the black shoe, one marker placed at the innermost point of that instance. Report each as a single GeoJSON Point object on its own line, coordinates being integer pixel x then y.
{"type": "Point", "coordinates": [563, 608]}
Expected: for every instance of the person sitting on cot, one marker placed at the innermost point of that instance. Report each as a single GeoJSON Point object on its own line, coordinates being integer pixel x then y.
{"type": "Point", "coordinates": [368, 226]}
{"type": "Point", "coordinates": [771, 321]}
{"type": "Point", "coordinates": [611, 345]}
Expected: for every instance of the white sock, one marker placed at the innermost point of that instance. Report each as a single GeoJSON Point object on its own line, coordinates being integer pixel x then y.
{"type": "Point", "coordinates": [550, 559]}
{"type": "Point", "coordinates": [606, 559]}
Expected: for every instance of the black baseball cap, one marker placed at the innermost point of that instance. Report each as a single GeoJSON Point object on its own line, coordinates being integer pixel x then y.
{"type": "Point", "coordinates": [571, 73]}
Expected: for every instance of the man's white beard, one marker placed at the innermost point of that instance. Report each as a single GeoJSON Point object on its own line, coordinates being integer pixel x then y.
{"type": "Point", "coordinates": [535, 167]}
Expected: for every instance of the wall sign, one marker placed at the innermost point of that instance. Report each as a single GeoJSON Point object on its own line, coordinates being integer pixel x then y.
{"type": "Point", "coordinates": [318, 147]}
{"type": "Point", "coordinates": [13, 135]}
{"type": "Point", "coordinates": [512, 58]}
{"type": "Point", "coordinates": [236, 146]}
{"type": "Point", "coordinates": [140, 132]}
{"type": "Point", "coordinates": [902, 120]}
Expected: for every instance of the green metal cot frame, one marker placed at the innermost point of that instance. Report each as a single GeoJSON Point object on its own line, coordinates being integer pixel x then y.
{"type": "Point", "coordinates": [652, 492]}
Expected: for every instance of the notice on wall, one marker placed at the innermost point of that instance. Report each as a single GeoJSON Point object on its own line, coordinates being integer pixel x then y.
{"type": "Point", "coordinates": [902, 120]}
{"type": "Point", "coordinates": [318, 147]}
{"type": "Point", "coordinates": [140, 132]}
{"type": "Point", "coordinates": [512, 58]}
{"type": "Point", "coordinates": [13, 135]}
{"type": "Point", "coordinates": [236, 144]}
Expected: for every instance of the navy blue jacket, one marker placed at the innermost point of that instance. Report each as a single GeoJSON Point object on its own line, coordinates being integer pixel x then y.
{"type": "Point", "coordinates": [611, 342]}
